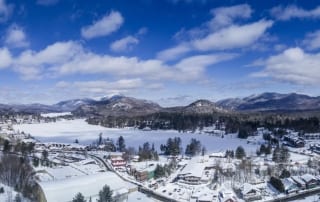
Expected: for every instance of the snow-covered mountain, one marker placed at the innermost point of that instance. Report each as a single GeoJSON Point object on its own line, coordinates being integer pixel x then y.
{"type": "Point", "coordinates": [272, 102]}
{"type": "Point", "coordinates": [203, 107]}
{"type": "Point", "coordinates": [118, 106]}
{"type": "Point", "coordinates": [70, 105]}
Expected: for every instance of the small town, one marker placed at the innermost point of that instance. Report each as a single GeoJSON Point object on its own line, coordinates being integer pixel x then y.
{"type": "Point", "coordinates": [159, 101]}
{"type": "Point", "coordinates": [280, 169]}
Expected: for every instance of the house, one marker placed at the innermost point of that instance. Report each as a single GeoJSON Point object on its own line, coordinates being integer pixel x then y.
{"type": "Point", "coordinates": [289, 185]}
{"type": "Point", "coordinates": [310, 180]}
{"type": "Point", "coordinates": [250, 193]}
{"type": "Point", "coordinates": [217, 155]}
{"type": "Point", "coordinates": [118, 162]}
{"type": "Point", "coordinates": [142, 172]}
{"type": "Point", "coordinates": [294, 141]}
{"type": "Point", "coordinates": [226, 195]}
{"type": "Point", "coordinates": [143, 175]}
{"type": "Point", "coordinates": [300, 183]}
{"type": "Point", "coordinates": [312, 136]}
{"type": "Point", "coordinates": [194, 172]}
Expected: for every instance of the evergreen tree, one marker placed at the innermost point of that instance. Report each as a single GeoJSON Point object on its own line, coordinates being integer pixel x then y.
{"type": "Point", "coordinates": [35, 161]}
{"type": "Point", "coordinates": [194, 148]}
{"type": "Point", "coordinates": [240, 152]}
{"type": "Point", "coordinates": [100, 140]}
{"type": "Point", "coordinates": [285, 174]}
{"type": "Point", "coordinates": [78, 198]}
{"type": "Point", "coordinates": [105, 195]}
{"type": "Point", "coordinates": [277, 183]}
{"type": "Point", "coordinates": [276, 156]}
{"type": "Point", "coordinates": [6, 146]}
{"type": "Point", "coordinates": [18, 198]}
{"type": "Point", "coordinates": [263, 149]}
{"type": "Point", "coordinates": [121, 146]}
{"type": "Point", "coordinates": [159, 172]}
{"type": "Point", "coordinates": [268, 149]}
{"type": "Point", "coordinates": [285, 155]}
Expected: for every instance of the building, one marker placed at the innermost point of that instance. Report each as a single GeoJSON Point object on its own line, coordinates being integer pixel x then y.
{"type": "Point", "coordinates": [300, 183]}
{"type": "Point", "coordinates": [250, 193]}
{"type": "Point", "coordinates": [310, 181]}
{"type": "Point", "coordinates": [118, 162]}
{"type": "Point", "coordinates": [289, 185]}
{"type": "Point", "coordinates": [143, 175]}
{"type": "Point", "coordinates": [142, 171]}
{"type": "Point", "coordinates": [294, 141]}
{"type": "Point", "coordinates": [195, 172]}
{"type": "Point", "coordinates": [312, 136]}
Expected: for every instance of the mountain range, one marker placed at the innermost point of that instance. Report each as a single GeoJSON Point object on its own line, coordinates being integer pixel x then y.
{"type": "Point", "coordinates": [127, 106]}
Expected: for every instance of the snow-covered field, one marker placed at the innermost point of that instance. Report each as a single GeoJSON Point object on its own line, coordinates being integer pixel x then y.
{"type": "Point", "coordinates": [67, 131]}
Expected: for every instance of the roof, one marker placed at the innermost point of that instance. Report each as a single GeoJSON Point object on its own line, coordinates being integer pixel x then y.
{"type": "Point", "coordinates": [287, 182]}
{"type": "Point", "coordinates": [246, 188]}
{"type": "Point", "coordinates": [194, 168]}
{"type": "Point", "coordinates": [89, 185]}
{"type": "Point", "coordinates": [307, 177]}
{"type": "Point", "coordinates": [298, 180]}
{"type": "Point", "coordinates": [218, 154]}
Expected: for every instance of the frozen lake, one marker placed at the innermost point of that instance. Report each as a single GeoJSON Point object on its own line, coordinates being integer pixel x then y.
{"type": "Point", "coordinates": [67, 131]}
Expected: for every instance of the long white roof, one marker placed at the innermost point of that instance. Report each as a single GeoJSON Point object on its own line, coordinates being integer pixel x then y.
{"type": "Point", "coordinates": [89, 185]}
{"type": "Point", "coordinates": [194, 168]}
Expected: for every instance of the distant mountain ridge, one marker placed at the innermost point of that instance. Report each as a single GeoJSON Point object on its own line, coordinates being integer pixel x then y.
{"type": "Point", "coordinates": [120, 105]}
{"type": "Point", "coordinates": [271, 102]}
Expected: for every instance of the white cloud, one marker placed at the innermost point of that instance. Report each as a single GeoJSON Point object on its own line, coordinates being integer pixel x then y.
{"type": "Point", "coordinates": [222, 32]}
{"type": "Point", "coordinates": [120, 86]}
{"type": "Point", "coordinates": [312, 40]}
{"type": "Point", "coordinates": [47, 2]}
{"type": "Point", "coordinates": [32, 65]}
{"type": "Point", "coordinates": [5, 11]}
{"type": "Point", "coordinates": [292, 11]}
{"type": "Point", "coordinates": [103, 27]}
{"type": "Point", "coordinates": [124, 44]}
{"type": "Point", "coordinates": [293, 65]}
{"type": "Point", "coordinates": [16, 37]}
{"type": "Point", "coordinates": [193, 67]}
{"type": "Point", "coordinates": [5, 58]}
{"type": "Point", "coordinates": [225, 16]}
{"type": "Point", "coordinates": [96, 88]}
{"type": "Point", "coordinates": [233, 36]}
{"type": "Point", "coordinates": [174, 52]}
{"type": "Point", "coordinates": [67, 58]}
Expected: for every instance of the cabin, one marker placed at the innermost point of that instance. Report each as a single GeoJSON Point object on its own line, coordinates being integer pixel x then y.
{"type": "Point", "coordinates": [118, 162]}
{"type": "Point", "coordinates": [294, 141]}
{"type": "Point", "coordinates": [312, 136]}
{"type": "Point", "coordinates": [310, 181]}
{"type": "Point", "coordinates": [143, 175]}
{"type": "Point", "coordinates": [194, 172]}
{"type": "Point", "coordinates": [250, 193]}
{"type": "Point", "coordinates": [289, 186]}
{"type": "Point", "coordinates": [300, 183]}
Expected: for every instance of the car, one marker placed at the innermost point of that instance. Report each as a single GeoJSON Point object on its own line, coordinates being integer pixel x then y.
{"type": "Point", "coordinates": [164, 191]}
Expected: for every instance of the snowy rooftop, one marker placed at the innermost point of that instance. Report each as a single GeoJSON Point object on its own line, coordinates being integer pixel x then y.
{"type": "Point", "coordinates": [89, 185]}
{"type": "Point", "coordinates": [195, 167]}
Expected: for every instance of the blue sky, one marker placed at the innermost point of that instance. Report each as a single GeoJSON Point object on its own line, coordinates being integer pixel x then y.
{"type": "Point", "coordinates": [169, 51]}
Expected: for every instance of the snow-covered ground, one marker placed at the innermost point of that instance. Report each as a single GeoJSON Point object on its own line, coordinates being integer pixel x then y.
{"type": "Point", "coordinates": [66, 131]}
{"type": "Point", "coordinates": [9, 194]}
